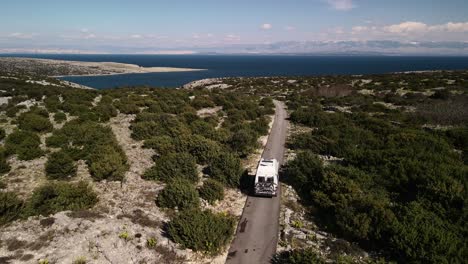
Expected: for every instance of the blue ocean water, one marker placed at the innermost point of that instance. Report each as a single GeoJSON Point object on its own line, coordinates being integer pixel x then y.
{"type": "Point", "coordinates": [251, 65]}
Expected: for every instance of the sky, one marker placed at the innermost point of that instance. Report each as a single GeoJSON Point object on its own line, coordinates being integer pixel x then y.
{"type": "Point", "coordinates": [184, 24]}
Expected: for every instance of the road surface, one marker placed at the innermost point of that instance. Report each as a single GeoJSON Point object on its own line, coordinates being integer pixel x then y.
{"type": "Point", "coordinates": [257, 234]}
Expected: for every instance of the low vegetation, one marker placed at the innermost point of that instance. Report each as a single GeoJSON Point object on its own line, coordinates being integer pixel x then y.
{"type": "Point", "coordinates": [201, 230]}
{"type": "Point", "coordinates": [25, 144]}
{"type": "Point", "coordinates": [393, 184]}
{"type": "Point", "coordinates": [171, 166]}
{"type": "Point", "coordinates": [211, 191]}
{"type": "Point", "coordinates": [180, 194]}
{"type": "Point", "coordinates": [380, 160]}
{"type": "Point", "coordinates": [94, 143]}
{"type": "Point", "coordinates": [55, 197]}
{"type": "Point", "coordinates": [60, 166]}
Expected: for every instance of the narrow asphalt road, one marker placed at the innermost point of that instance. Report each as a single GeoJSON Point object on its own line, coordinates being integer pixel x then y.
{"type": "Point", "coordinates": [257, 234]}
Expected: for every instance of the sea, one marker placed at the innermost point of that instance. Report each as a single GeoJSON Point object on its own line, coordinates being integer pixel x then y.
{"type": "Point", "coordinates": [249, 66]}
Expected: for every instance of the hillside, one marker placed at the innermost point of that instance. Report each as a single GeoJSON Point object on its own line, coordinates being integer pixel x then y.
{"type": "Point", "coordinates": [377, 169]}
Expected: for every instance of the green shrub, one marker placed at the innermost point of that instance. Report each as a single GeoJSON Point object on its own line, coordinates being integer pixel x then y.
{"type": "Point", "coordinates": [174, 165]}
{"type": "Point", "coordinates": [108, 162]}
{"type": "Point", "coordinates": [203, 149]}
{"type": "Point", "coordinates": [80, 260]}
{"type": "Point", "coordinates": [61, 196]}
{"type": "Point", "coordinates": [24, 143]}
{"type": "Point", "coordinates": [211, 191]}
{"type": "Point", "coordinates": [163, 145]}
{"type": "Point", "coordinates": [148, 125]}
{"type": "Point", "coordinates": [34, 122]}
{"type": "Point", "coordinates": [201, 230]}
{"type": "Point", "coordinates": [4, 166]}
{"type": "Point", "coordinates": [127, 108]}
{"type": "Point", "coordinates": [202, 102]}
{"type": "Point", "coordinates": [59, 117]}
{"type": "Point", "coordinates": [10, 207]}
{"type": "Point", "coordinates": [52, 103]}
{"type": "Point", "coordinates": [298, 256]}
{"type": "Point", "coordinates": [12, 111]}
{"type": "Point", "coordinates": [151, 242]}
{"type": "Point", "coordinates": [105, 111]}
{"type": "Point", "coordinates": [205, 128]}
{"type": "Point", "coordinates": [423, 236]}
{"type": "Point", "coordinates": [125, 235]}
{"type": "Point", "coordinates": [94, 143]}
{"type": "Point", "coordinates": [60, 166]}
{"type": "Point", "coordinates": [244, 141]}
{"type": "Point", "coordinates": [2, 133]}
{"type": "Point", "coordinates": [179, 194]}
{"type": "Point", "coordinates": [226, 168]}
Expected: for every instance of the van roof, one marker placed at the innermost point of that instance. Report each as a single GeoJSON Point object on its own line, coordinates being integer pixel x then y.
{"type": "Point", "coordinates": [267, 168]}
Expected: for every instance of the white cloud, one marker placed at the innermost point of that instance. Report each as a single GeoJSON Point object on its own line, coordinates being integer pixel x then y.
{"type": "Point", "coordinates": [407, 28]}
{"type": "Point", "coordinates": [289, 28]}
{"type": "Point", "coordinates": [266, 26]}
{"type": "Point", "coordinates": [84, 30]}
{"type": "Point", "coordinates": [358, 29]}
{"type": "Point", "coordinates": [19, 35]}
{"type": "Point", "coordinates": [136, 36]}
{"type": "Point", "coordinates": [342, 5]}
{"type": "Point", "coordinates": [456, 27]}
{"type": "Point", "coordinates": [89, 36]}
{"type": "Point", "coordinates": [411, 27]}
{"type": "Point", "coordinates": [232, 37]}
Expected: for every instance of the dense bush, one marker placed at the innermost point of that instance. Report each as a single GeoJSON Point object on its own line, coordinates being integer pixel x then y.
{"type": "Point", "coordinates": [422, 235]}
{"type": "Point", "coordinates": [398, 188]}
{"type": "Point", "coordinates": [201, 230]}
{"type": "Point", "coordinates": [59, 117]}
{"type": "Point", "coordinates": [94, 143]}
{"type": "Point", "coordinates": [127, 107]}
{"type": "Point", "coordinates": [180, 194]}
{"type": "Point", "coordinates": [211, 191]}
{"type": "Point", "coordinates": [162, 145]}
{"type": "Point", "coordinates": [171, 166]}
{"type": "Point", "coordinates": [298, 256]}
{"type": "Point", "coordinates": [202, 102]}
{"type": "Point", "coordinates": [108, 162]}
{"type": "Point", "coordinates": [32, 121]}
{"type": "Point", "coordinates": [2, 133]}
{"type": "Point", "coordinates": [56, 197]}
{"type": "Point", "coordinates": [105, 111]}
{"type": "Point", "coordinates": [4, 166]}
{"type": "Point", "coordinates": [23, 143]}
{"type": "Point", "coordinates": [10, 207]}
{"type": "Point", "coordinates": [60, 166]}
{"type": "Point", "coordinates": [148, 125]}
{"type": "Point", "coordinates": [244, 141]}
{"type": "Point", "coordinates": [52, 103]}
{"type": "Point", "coordinates": [204, 149]}
{"type": "Point", "coordinates": [226, 168]}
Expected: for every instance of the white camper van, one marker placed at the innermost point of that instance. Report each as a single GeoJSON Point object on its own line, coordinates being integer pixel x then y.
{"type": "Point", "coordinates": [266, 179]}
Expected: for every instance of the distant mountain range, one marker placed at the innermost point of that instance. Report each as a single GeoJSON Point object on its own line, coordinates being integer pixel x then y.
{"type": "Point", "coordinates": [346, 48]}
{"type": "Point", "coordinates": [373, 47]}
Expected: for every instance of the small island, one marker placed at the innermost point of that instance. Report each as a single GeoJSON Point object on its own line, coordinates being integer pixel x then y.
{"type": "Point", "coordinates": [61, 68]}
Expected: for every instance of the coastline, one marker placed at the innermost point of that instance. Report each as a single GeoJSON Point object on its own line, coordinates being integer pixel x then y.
{"type": "Point", "coordinates": [146, 70]}
{"type": "Point", "coordinates": [65, 68]}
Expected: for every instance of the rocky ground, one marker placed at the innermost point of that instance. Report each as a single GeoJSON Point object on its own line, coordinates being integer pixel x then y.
{"type": "Point", "coordinates": [298, 230]}
{"type": "Point", "coordinates": [117, 229]}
